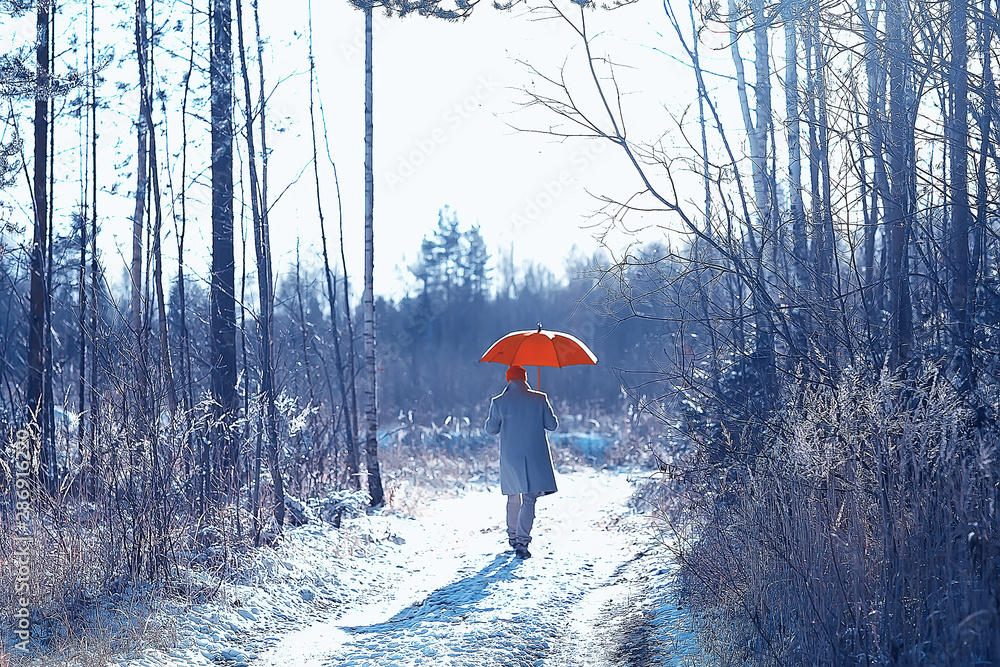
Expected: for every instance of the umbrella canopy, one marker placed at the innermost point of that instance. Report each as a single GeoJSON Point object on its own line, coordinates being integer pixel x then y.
{"type": "Point", "coordinates": [539, 348]}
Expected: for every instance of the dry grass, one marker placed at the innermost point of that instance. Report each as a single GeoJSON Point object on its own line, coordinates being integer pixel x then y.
{"type": "Point", "coordinates": [865, 534]}
{"type": "Point", "coordinates": [82, 611]}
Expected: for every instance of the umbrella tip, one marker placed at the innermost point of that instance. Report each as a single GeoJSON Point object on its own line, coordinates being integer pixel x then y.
{"type": "Point", "coordinates": [539, 327]}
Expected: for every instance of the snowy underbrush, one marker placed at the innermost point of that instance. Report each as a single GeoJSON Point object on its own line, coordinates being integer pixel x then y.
{"type": "Point", "coordinates": [418, 460]}
{"type": "Point", "coordinates": [863, 533]}
{"type": "Point", "coordinates": [223, 598]}
{"type": "Point", "coordinates": [64, 581]}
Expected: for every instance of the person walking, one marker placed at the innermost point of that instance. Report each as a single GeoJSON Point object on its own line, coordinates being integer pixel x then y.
{"type": "Point", "coordinates": [521, 416]}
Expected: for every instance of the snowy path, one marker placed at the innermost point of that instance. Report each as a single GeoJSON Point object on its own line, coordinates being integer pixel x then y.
{"type": "Point", "coordinates": [456, 597]}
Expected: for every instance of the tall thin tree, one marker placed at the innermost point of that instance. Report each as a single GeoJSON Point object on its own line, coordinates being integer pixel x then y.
{"type": "Point", "coordinates": [262, 246]}
{"type": "Point", "coordinates": [223, 286]}
{"type": "Point", "coordinates": [38, 377]}
{"type": "Point", "coordinates": [350, 423]}
{"type": "Point", "coordinates": [371, 388]}
{"type": "Point", "coordinates": [958, 191]}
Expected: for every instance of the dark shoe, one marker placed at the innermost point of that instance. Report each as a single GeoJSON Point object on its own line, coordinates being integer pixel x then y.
{"type": "Point", "coordinates": [522, 551]}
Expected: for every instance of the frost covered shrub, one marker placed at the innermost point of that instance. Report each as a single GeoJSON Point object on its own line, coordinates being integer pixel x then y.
{"type": "Point", "coordinates": [865, 533]}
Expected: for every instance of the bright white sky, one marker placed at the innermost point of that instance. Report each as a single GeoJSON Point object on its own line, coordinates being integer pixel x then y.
{"type": "Point", "coordinates": [446, 98]}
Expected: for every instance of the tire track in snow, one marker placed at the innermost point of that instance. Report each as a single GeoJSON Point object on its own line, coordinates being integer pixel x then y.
{"type": "Point", "coordinates": [459, 599]}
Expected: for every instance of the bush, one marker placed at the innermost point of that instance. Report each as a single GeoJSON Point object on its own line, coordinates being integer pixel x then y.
{"type": "Point", "coordinates": [864, 533]}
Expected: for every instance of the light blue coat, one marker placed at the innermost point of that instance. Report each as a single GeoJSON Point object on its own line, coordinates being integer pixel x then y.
{"type": "Point", "coordinates": [521, 417]}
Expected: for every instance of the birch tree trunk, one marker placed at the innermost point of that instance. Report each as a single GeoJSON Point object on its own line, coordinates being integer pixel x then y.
{"type": "Point", "coordinates": [350, 422]}
{"type": "Point", "coordinates": [180, 232]}
{"type": "Point", "coordinates": [758, 128]}
{"type": "Point", "coordinates": [371, 408]}
{"type": "Point", "coordinates": [141, 184]}
{"type": "Point", "coordinates": [799, 239]}
{"type": "Point", "coordinates": [985, 128]}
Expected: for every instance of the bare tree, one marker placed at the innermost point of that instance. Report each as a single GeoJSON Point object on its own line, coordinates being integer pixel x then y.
{"type": "Point", "coordinates": [223, 287]}
{"type": "Point", "coordinates": [145, 87]}
{"type": "Point", "coordinates": [899, 203]}
{"type": "Point", "coordinates": [349, 414]}
{"type": "Point", "coordinates": [958, 192]}
{"type": "Point", "coordinates": [39, 378]}
{"type": "Point", "coordinates": [92, 470]}
{"type": "Point", "coordinates": [371, 405]}
{"type": "Point", "coordinates": [262, 247]}
{"type": "Point", "coordinates": [429, 8]}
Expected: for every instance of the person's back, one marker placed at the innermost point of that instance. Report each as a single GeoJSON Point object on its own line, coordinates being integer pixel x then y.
{"type": "Point", "coordinates": [520, 417]}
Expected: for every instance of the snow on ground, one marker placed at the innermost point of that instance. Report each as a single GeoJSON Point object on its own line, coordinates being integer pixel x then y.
{"type": "Point", "coordinates": [441, 588]}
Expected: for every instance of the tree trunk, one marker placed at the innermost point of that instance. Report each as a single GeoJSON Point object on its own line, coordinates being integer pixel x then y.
{"type": "Point", "coordinates": [49, 427]}
{"type": "Point", "coordinates": [223, 301]}
{"type": "Point", "coordinates": [350, 423]}
{"type": "Point", "coordinates": [197, 489]}
{"type": "Point", "coordinates": [35, 391]}
{"type": "Point", "coordinates": [92, 469]}
{"type": "Point", "coordinates": [799, 240]}
{"type": "Point", "coordinates": [371, 407]}
{"type": "Point", "coordinates": [875, 75]}
{"type": "Point", "coordinates": [958, 192]}
{"type": "Point", "coordinates": [140, 412]}
{"type": "Point", "coordinates": [145, 71]}
{"type": "Point", "coordinates": [265, 282]}
{"type": "Point", "coordinates": [81, 279]}
{"type": "Point", "coordinates": [983, 199]}
{"type": "Point", "coordinates": [758, 129]}
{"type": "Point", "coordinates": [820, 156]}
{"type": "Point", "coordinates": [898, 206]}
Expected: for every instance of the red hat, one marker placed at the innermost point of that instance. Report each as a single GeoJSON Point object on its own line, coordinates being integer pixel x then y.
{"type": "Point", "coordinates": [516, 373]}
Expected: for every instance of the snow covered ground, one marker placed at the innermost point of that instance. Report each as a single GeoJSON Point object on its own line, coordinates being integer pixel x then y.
{"type": "Point", "coordinates": [441, 588]}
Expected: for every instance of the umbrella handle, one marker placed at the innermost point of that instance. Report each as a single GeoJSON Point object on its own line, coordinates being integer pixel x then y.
{"type": "Point", "coordinates": [538, 381]}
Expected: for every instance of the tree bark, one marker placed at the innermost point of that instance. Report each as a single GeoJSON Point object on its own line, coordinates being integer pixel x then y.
{"type": "Point", "coordinates": [875, 75]}
{"type": "Point", "coordinates": [759, 129]}
{"type": "Point", "coordinates": [223, 287]}
{"type": "Point", "coordinates": [138, 324]}
{"type": "Point", "coordinates": [38, 377]}
{"type": "Point", "coordinates": [350, 421]}
{"type": "Point", "coordinates": [93, 471]}
{"type": "Point", "coordinates": [958, 192]}
{"type": "Point", "coordinates": [800, 243]}
{"type": "Point", "coordinates": [166, 365]}
{"type": "Point", "coordinates": [265, 282]}
{"type": "Point", "coordinates": [371, 408]}
{"type": "Point", "coordinates": [983, 199]}
{"type": "Point", "coordinates": [898, 206]}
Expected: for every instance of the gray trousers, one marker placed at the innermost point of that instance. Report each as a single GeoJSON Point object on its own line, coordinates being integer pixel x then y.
{"type": "Point", "coordinates": [520, 516]}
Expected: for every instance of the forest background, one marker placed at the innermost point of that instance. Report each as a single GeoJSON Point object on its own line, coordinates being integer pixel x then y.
{"type": "Point", "coordinates": [812, 338]}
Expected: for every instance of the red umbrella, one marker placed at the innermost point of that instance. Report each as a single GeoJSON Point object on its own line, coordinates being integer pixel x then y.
{"type": "Point", "coordinates": [539, 348]}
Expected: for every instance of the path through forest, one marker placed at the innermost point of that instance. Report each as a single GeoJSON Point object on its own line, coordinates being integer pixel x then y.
{"type": "Point", "coordinates": [594, 593]}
